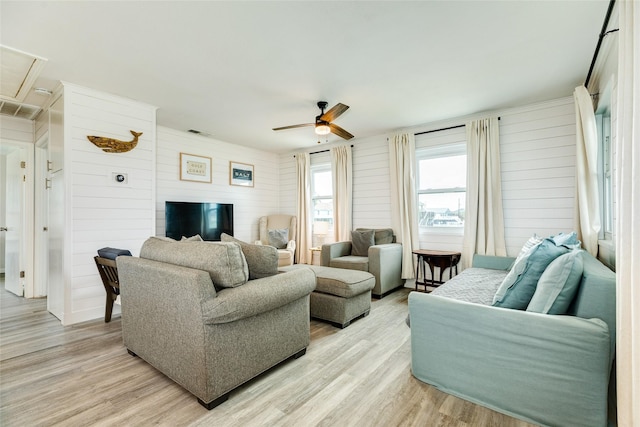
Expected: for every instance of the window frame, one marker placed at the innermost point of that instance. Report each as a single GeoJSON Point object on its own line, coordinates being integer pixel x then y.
{"type": "Point", "coordinates": [316, 240]}
{"type": "Point", "coordinates": [434, 152]}
{"type": "Point", "coordinates": [605, 171]}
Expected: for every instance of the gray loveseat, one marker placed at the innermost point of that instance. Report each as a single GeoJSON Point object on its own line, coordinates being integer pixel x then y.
{"type": "Point", "coordinates": [550, 369]}
{"type": "Point", "coordinates": [189, 310]}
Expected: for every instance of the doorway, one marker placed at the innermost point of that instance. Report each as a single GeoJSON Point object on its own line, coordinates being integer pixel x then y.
{"type": "Point", "coordinates": [16, 217]}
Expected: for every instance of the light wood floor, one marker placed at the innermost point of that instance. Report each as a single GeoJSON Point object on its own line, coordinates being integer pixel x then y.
{"type": "Point", "coordinates": [82, 375]}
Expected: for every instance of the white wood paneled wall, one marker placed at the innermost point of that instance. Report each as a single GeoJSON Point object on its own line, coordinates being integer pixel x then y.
{"type": "Point", "coordinates": [101, 212]}
{"type": "Point", "coordinates": [15, 130]}
{"type": "Point", "coordinates": [538, 160]}
{"type": "Point", "coordinates": [371, 183]}
{"type": "Point", "coordinates": [537, 145]}
{"type": "Point", "coordinates": [249, 203]}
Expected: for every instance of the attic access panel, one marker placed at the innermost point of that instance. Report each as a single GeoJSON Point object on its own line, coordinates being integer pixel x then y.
{"type": "Point", "coordinates": [19, 71]}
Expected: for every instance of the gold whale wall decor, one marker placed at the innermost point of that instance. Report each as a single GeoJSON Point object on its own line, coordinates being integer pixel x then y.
{"type": "Point", "coordinates": [111, 145]}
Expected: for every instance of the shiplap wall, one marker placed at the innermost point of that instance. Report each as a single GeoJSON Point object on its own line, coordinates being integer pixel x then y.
{"type": "Point", "coordinates": [13, 132]}
{"type": "Point", "coordinates": [537, 145]}
{"type": "Point", "coordinates": [371, 192]}
{"type": "Point", "coordinates": [537, 149]}
{"type": "Point", "coordinates": [101, 212]}
{"type": "Point", "coordinates": [249, 203]}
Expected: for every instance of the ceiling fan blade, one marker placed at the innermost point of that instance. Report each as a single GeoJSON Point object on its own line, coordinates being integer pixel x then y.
{"type": "Point", "coordinates": [295, 126]}
{"type": "Point", "coordinates": [334, 112]}
{"type": "Point", "coordinates": [339, 131]}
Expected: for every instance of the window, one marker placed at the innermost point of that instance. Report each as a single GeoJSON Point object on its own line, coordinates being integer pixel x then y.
{"type": "Point", "coordinates": [603, 120]}
{"type": "Point", "coordinates": [321, 204]}
{"type": "Point", "coordinates": [442, 186]}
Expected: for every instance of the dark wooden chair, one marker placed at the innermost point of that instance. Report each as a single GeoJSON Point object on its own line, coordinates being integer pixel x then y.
{"type": "Point", "coordinates": [109, 275]}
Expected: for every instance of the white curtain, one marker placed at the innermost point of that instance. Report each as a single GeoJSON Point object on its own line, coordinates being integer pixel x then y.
{"type": "Point", "coordinates": [341, 168]}
{"type": "Point", "coordinates": [304, 207]}
{"type": "Point", "coordinates": [484, 223]}
{"type": "Point", "coordinates": [404, 207]}
{"type": "Point", "coordinates": [587, 203]}
{"type": "Point", "coordinates": [627, 228]}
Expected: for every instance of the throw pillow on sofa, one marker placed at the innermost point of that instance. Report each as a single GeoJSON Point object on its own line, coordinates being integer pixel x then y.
{"type": "Point", "coordinates": [558, 284]}
{"type": "Point", "coordinates": [360, 242]}
{"type": "Point", "coordinates": [195, 238]}
{"type": "Point", "coordinates": [518, 287]}
{"type": "Point", "coordinates": [529, 244]}
{"type": "Point", "coordinates": [262, 260]}
{"type": "Point", "coordinates": [224, 262]}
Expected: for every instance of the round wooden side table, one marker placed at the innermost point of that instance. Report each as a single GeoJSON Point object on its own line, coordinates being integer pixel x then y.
{"type": "Point", "coordinates": [434, 258]}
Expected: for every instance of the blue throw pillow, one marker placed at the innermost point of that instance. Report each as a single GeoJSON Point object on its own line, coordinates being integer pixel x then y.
{"type": "Point", "coordinates": [558, 284]}
{"type": "Point", "coordinates": [520, 284]}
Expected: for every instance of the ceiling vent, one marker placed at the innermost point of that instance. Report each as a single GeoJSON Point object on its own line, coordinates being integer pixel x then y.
{"type": "Point", "coordinates": [18, 73]}
{"type": "Point", "coordinates": [23, 111]}
{"type": "Point", "coordinates": [199, 132]}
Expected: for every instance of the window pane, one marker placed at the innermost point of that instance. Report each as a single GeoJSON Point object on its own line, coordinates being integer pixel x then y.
{"type": "Point", "coordinates": [321, 185]}
{"type": "Point", "coordinates": [441, 209]}
{"type": "Point", "coordinates": [322, 229]}
{"type": "Point", "coordinates": [443, 172]}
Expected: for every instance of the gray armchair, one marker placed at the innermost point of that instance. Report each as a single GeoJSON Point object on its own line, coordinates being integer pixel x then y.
{"type": "Point", "coordinates": [190, 312]}
{"type": "Point", "coordinates": [380, 256]}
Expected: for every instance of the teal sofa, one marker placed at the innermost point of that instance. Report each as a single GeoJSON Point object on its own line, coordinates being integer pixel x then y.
{"type": "Point", "coordinates": [546, 369]}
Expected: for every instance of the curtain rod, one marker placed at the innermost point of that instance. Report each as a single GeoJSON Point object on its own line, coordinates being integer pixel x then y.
{"type": "Point", "coordinates": [321, 151]}
{"type": "Point", "coordinates": [603, 33]}
{"type": "Point", "coordinates": [441, 129]}
{"type": "Point", "coordinates": [438, 130]}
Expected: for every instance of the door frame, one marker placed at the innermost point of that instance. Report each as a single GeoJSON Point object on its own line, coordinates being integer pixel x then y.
{"type": "Point", "coordinates": [41, 218]}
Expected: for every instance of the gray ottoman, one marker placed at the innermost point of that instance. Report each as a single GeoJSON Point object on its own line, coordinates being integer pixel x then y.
{"type": "Point", "coordinates": [341, 295]}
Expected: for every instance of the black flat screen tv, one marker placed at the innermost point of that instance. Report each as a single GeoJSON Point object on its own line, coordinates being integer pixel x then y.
{"type": "Point", "coordinates": [187, 219]}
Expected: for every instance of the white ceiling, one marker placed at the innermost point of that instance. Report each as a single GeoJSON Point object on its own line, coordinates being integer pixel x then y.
{"type": "Point", "coordinates": [236, 69]}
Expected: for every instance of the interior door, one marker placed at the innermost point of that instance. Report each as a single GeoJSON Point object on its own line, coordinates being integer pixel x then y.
{"type": "Point", "coordinates": [14, 214]}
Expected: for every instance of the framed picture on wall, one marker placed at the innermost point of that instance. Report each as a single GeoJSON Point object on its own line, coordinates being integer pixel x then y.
{"type": "Point", "coordinates": [241, 174]}
{"type": "Point", "coordinates": [195, 168]}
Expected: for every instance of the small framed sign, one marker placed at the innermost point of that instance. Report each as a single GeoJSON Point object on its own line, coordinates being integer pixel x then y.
{"type": "Point", "coordinates": [241, 174]}
{"type": "Point", "coordinates": [195, 168]}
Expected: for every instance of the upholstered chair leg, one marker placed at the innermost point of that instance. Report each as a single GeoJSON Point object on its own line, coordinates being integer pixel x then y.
{"type": "Point", "coordinates": [214, 402]}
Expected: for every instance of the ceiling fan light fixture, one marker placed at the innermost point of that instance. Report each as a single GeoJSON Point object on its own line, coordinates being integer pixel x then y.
{"type": "Point", "coordinates": [322, 129]}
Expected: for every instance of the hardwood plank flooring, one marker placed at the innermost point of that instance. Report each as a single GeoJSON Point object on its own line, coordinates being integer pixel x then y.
{"type": "Point", "coordinates": [82, 375]}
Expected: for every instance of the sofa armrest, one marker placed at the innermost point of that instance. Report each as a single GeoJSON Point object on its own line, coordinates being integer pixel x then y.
{"type": "Point", "coordinates": [258, 296]}
{"type": "Point", "coordinates": [383, 250]}
{"type": "Point", "coordinates": [553, 370]}
{"type": "Point", "coordinates": [291, 246]}
{"type": "Point", "coordinates": [493, 262]}
{"type": "Point", "coordinates": [334, 250]}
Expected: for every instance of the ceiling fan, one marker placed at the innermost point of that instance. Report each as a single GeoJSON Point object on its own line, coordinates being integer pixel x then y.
{"type": "Point", "coordinates": [323, 123]}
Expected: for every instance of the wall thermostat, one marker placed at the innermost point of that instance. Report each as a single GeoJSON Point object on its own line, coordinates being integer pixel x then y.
{"type": "Point", "coordinates": [120, 178]}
